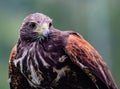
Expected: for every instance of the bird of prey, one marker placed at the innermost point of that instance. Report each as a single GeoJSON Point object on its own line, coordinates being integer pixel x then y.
{"type": "Point", "coordinates": [47, 58]}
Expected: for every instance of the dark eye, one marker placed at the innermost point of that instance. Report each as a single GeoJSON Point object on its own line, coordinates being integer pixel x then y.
{"type": "Point", "coordinates": [50, 24]}
{"type": "Point", "coordinates": [32, 24]}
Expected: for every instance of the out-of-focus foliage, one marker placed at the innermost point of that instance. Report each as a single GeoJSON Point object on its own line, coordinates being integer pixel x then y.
{"type": "Point", "coordinates": [97, 20]}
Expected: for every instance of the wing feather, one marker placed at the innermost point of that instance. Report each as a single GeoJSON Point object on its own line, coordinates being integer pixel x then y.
{"type": "Point", "coordinates": [13, 53]}
{"type": "Point", "coordinates": [88, 59]}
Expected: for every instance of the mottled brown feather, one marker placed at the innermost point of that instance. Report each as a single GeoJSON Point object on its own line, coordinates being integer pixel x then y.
{"type": "Point", "coordinates": [85, 56]}
{"type": "Point", "coordinates": [13, 53]}
{"type": "Point", "coordinates": [16, 79]}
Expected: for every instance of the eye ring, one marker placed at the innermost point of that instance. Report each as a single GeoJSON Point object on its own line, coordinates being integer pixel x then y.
{"type": "Point", "coordinates": [32, 25]}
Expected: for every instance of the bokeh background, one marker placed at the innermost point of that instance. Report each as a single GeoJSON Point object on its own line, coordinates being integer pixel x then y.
{"type": "Point", "coordinates": [97, 20]}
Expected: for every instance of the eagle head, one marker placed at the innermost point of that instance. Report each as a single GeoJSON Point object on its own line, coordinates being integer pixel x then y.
{"type": "Point", "coordinates": [35, 26]}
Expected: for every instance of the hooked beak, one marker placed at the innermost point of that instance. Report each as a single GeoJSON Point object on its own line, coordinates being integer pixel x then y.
{"type": "Point", "coordinates": [42, 29]}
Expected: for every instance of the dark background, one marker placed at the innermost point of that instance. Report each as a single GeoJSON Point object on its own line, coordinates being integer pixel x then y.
{"type": "Point", "coordinates": [97, 20]}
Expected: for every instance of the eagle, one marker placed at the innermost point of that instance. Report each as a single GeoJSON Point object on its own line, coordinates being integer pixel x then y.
{"type": "Point", "coordinates": [47, 58]}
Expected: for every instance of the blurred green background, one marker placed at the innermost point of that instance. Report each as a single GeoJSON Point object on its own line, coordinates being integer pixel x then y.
{"type": "Point", "coordinates": [97, 20]}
